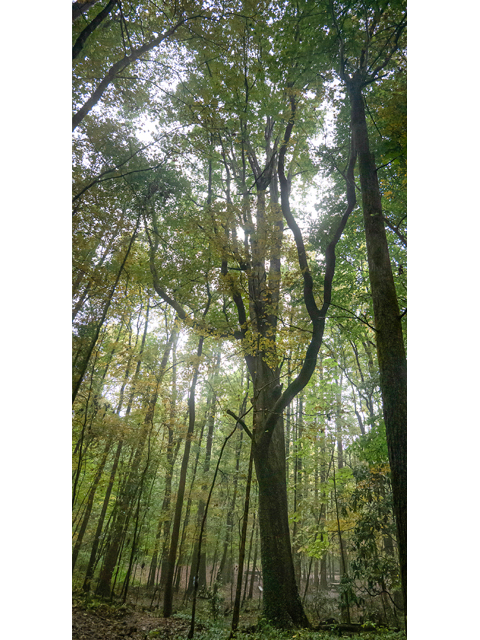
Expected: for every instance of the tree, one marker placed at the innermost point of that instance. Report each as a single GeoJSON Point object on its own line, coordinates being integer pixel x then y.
{"type": "Point", "coordinates": [380, 39]}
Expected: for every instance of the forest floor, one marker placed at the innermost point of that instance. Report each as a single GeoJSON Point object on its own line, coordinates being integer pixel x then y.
{"type": "Point", "coordinates": [103, 622]}
{"type": "Point", "coordinates": [95, 619]}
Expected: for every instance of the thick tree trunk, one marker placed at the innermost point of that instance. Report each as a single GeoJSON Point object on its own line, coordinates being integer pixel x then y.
{"type": "Point", "coordinates": [282, 604]}
{"type": "Point", "coordinates": [390, 347]}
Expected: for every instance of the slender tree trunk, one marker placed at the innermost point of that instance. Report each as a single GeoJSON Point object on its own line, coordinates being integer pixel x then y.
{"type": "Point", "coordinates": [182, 554]}
{"type": "Point", "coordinates": [84, 363]}
{"type": "Point", "coordinates": [247, 571]}
{"type": "Point", "coordinates": [252, 577]}
{"type": "Point", "coordinates": [132, 483]}
{"type": "Point", "coordinates": [90, 28]}
{"type": "Point", "coordinates": [117, 68]}
{"type": "Point", "coordinates": [298, 487]}
{"type": "Point", "coordinates": [211, 407]}
{"type": "Point", "coordinates": [165, 518]}
{"type": "Point", "coordinates": [243, 541]}
{"type": "Point", "coordinates": [343, 559]}
{"type": "Point", "coordinates": [91, 496]}
{"type": "Point", "coordinates": [168, 595]}
{"type": "Point", "coordinates": [78, 8]}
{"type": "Point", "coordinates": [339, 422]}
{"type": "Point", "coordinates": [225, 568]}
{"type": "Point", "coordinates": [98, 532]}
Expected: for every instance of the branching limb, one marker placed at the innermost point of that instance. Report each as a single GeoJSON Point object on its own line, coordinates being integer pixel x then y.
{"type": "Point", "coordinates": [317, 316]}
{"type": "Point", "coordinates": [240, 422]}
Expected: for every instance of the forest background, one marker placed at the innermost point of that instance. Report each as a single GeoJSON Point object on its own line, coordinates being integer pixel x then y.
{"type": "Point", "coordinates": [442, 381]}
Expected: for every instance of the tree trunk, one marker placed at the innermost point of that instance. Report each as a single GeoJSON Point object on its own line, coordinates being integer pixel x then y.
{"type": "Point", "coordinates": [77, 380]}
{"type": "Point", "coordinates": [210, 416]}
{"type": "Point", "coordinates": [241, 554]}
{"type": "Point", "coordinates": [168, 595]}
{"type": "Point", "coordinates": [390, 347]}
{"type": "Point", "coordinates": [225, 569]}
{"type": "Point", "coordinates": [165, 518]}
{"type": "Point", "coordinates": [90, 28]}
{"type": "Point", "coordinates": [88, 509]}
{"type": "Point", "coordinates": [252, 578]}
{"type": "Point", "coordinates": [282, 604]}
{"type": "Point", "coordinates": [247, 571]}
{"type": "Point", "coordinates": [98, 532]}
{"type": "Point", "coordinates": [117, 68]}
{"type": "Point", "coordinates": [132, 483]}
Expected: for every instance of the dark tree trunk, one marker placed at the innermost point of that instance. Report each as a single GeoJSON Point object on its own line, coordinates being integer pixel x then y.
{"type": "Point", "coordinates": [390, 347]}
{"type": "Point", "coordinates": [339, 422]}
{"type": "Point", "coordinates": [247, 571]}
{"type": "Point", "coordinates": [79, 8]}
{"type": "Point", "coordinates": [225, 569]}
{"type": "Point", "coordinates": [282, 604]}
{"type": "Point", "coordinates": [172, 451]}
{"type": "Point", "coordinates": [98, 532]}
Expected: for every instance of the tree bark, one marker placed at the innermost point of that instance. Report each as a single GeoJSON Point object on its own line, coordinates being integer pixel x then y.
{"type": "Point", "coordinates": [389, 338]}
{"type": "Point", "coordinates": [79, 8]}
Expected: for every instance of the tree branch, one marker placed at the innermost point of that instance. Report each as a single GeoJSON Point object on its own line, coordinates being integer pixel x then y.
{"type": "Point", "coordinates": [90, 28]}
{"type": "Point", "coordinates": [241, 422]}
{"type": "Point", "coordinates": [317, 316]}
{"type": "Point", "coordinates": [119, 66]}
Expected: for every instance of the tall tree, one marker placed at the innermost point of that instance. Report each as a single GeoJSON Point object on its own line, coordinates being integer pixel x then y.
{"type": "Point", "coordinates": [369, 50]}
